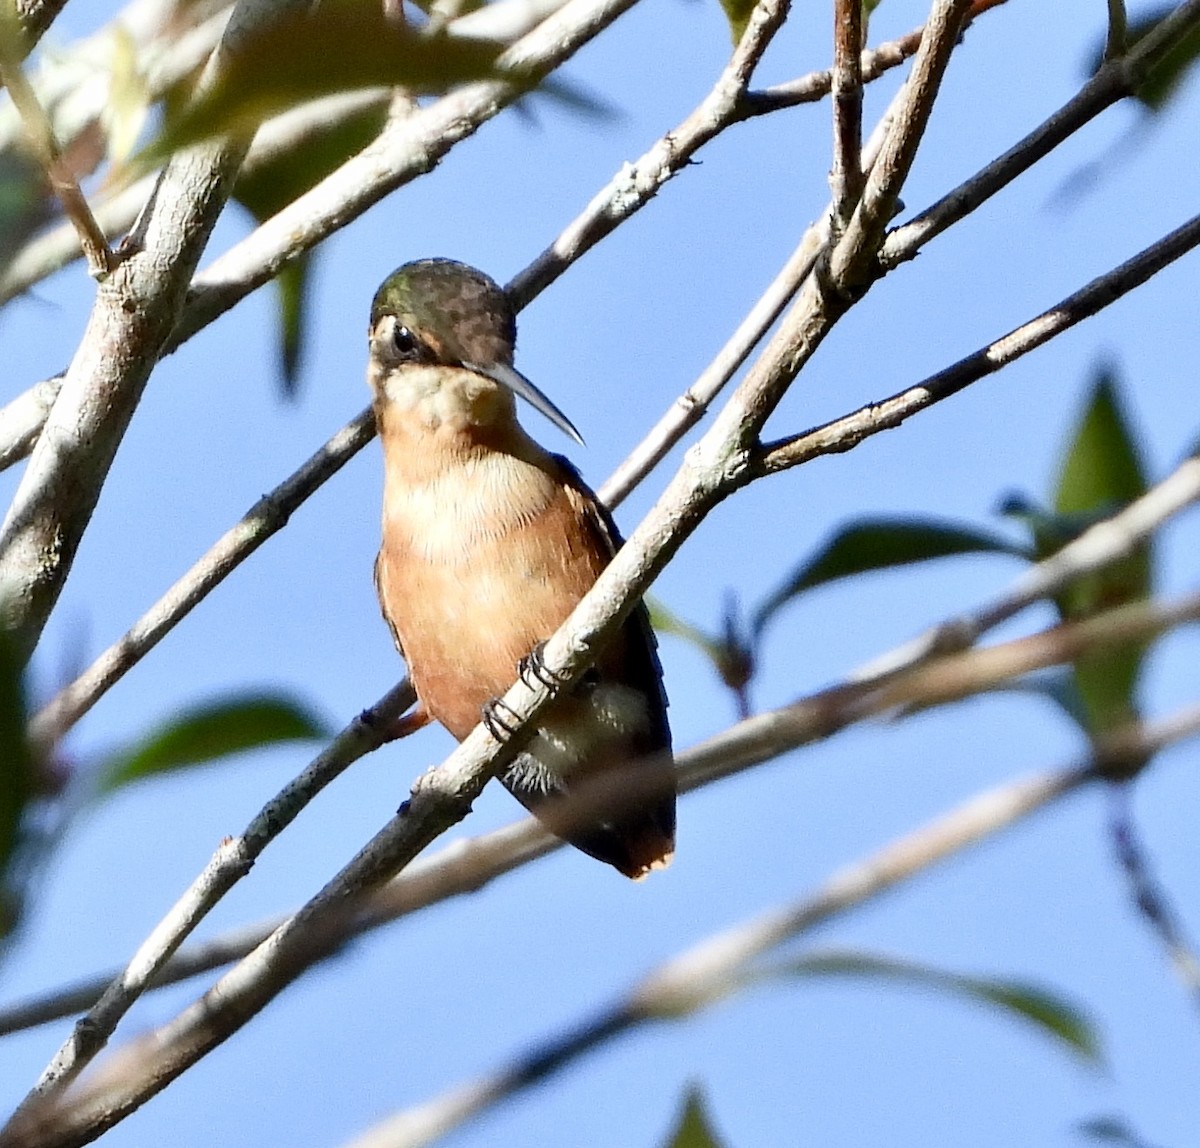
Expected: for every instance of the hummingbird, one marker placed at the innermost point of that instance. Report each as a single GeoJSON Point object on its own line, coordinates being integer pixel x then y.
{"type": "Point", "coordinates": [489, 542]}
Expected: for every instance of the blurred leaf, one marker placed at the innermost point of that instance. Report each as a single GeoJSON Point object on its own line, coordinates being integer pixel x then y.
{"type": "Point", "coordinates": [129, 97]}
{"type": "Point", "coordinates": [667, 622]}
{"type": "Point", "coordinates": [1102, 472]}
{"type": "Point", "coordinates": [25, 201]}
{"type": "Point", "coordinates": [1048, 1012]}
{"type": "Point", "coordinates": [1048, 531]}
{"type": "Point", "coordinates": [880, 544]}
{"type": "Point", "coordinates": [1110, 1130]}
{"type": "Point", "coordinates": [1057, 685]}
{"type": "Point", "coordinates": [17, 781]}
{"type": "Point", "coordinates": [693, 1128]}
{"type": "Point", "coordinates": [737, 12]}
{"type": "Point", "coordinates": [1163, 82]}
{"type": "Point", "coordinates": [270, 185]}
{"type": "Point", "coordinates": [208, 732]}
{"type": "Point", "coordinates": [1102, 467]}
{"type": "Point", "coordinates": [338, 46]}
{"type": "Point", "coordinates": [729, 654]}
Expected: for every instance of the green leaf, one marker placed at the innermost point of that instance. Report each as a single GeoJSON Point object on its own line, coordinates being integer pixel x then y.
{"type": "Point", "coordinates": [693, 1128]}
{"type": "Point", "coordinates": [1101, 472]}
{"type": "Point", "coordinates": [1049, 1013]}
{"type": "Point", "coordinates": [17, 782]}
{"type": "Point", "coordinates": [881, 544]}
{"type": "Point", "coordinates": [1102, 467]}
{"type": "Point", "coordinates": [337, 46]}
{"type": "Point", "coordinates": [737, 12]}
{"type": "Point", "coordinates": [206, 733]}
{"type": "Point", "coordinates": [270, 185]}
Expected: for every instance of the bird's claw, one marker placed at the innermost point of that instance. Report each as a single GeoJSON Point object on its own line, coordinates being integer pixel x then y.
{"type": "Point", "coordinates": [494, 721]}
{"type": "Point", "coordinates": [534, 671]}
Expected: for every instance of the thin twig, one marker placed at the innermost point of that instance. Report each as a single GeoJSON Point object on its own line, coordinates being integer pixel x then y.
{"type": "Point", "coordinates": [228, 865]}
{"type": "Point", "coordinates": [636, 183]}
{"type": "Point", "coordinates": [847, 432]}
{"type": "Point", "coordinates": [1118, 26]}
{"type": "Point", "coordinates": [873, 63]}
{"type": "Point", "coordinates": [690, 407]}
{"type": "Point", "coordinates": [1151, 900]}
{"type": "Point", "coordinates": [846, 175]}
{"type": "Point", "coordinates": [853, 262]}
{"type": "Point", "coordinates": [1115, 80]}
{"type": "Point", "coordinates": [267, 516]}
{"type": "Point", "coordinates": [1095, 548]}
{"type": "Point", "coordinates": [40, 134]}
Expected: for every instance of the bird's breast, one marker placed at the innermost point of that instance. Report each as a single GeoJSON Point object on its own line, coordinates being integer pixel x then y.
{"type": "Point", "coordinates": [481, 560]}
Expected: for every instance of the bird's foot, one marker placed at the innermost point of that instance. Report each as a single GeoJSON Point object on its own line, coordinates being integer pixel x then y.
{"type": "Point", "coordinates": [500, 719]}
{"type": "Point", "coordinates": [534, 671]}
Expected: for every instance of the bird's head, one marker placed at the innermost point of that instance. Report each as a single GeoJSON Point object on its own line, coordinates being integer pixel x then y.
{"type": "Point", "coordinates": [441, 313]}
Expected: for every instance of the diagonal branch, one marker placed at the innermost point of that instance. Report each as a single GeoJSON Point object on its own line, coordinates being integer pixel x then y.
{"type": "Point", "coordinates": [709, 971]}
{"type": "Point", "coordinates": [267, 516]}
{"type": "Point", "coordinates": [847, 432]}
{"type": "Point", "coordinates": [135, 311]}
{"type": "Point", "coordinates": [228, 865]}
{"type": "Point", "coordinates": [468, 865]}
{"type": "Point", "coordinates": [40, 134]}
{"type": "Point", "coordinates": [1115, 80]}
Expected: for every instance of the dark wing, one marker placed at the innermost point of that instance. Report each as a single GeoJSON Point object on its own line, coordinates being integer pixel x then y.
{"type": "Point", "coordinates": [641, 665]}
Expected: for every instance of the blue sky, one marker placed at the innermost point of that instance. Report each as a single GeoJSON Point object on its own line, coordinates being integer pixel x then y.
{"type": "Point", "coordinates": [425, 1004]}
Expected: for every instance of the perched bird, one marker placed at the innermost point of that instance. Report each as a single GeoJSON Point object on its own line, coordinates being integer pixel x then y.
{"type": "Point", "coordinates": [489, 542]}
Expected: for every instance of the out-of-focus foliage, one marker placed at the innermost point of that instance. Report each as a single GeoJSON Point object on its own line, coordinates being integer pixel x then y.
{"type": "Point", "coordinates": [207, 733]}
{"type": "Point", "coordinates": [1101, 472]}
{"type": "Point", "coordinates": [693, 1127]}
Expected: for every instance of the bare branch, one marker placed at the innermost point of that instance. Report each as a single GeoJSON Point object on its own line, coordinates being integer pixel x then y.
{"type": "Point", "coordinates": [846, 175]}
{"type": "Point", "coordinates": [1094, 549]}
{"type": "Point", "coordinates": [1115, 80]}
{"type": "Point", "coordinates": [21, 421]}
{"type": "Point", "coordinates": [873, 63]}
{"type": "Point", "coordinates": [468, 865]}
{"type": "Point", "coordinates": [636, 183]}
{"type": "Point", "coordinates": [228, 865]}
{"type": "Point", "coordinates": [1118, 26]}
{"type": "Point", "coordinates": [135, 311]}
{"type": "Point", "coordinates": [710, 970]}
{"type": "Point", "coordinates": [41, 138]}
{"type": "Point", "coordinates": [267, 516]}
{"type": "Point", "coordinates": [852, 263]}
{"type": "Point", "coordinates": [847, 432]}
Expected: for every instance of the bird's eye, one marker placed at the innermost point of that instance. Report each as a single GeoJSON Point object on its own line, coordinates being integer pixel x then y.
{"type": "Point", "coordinates": [404, 341]}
